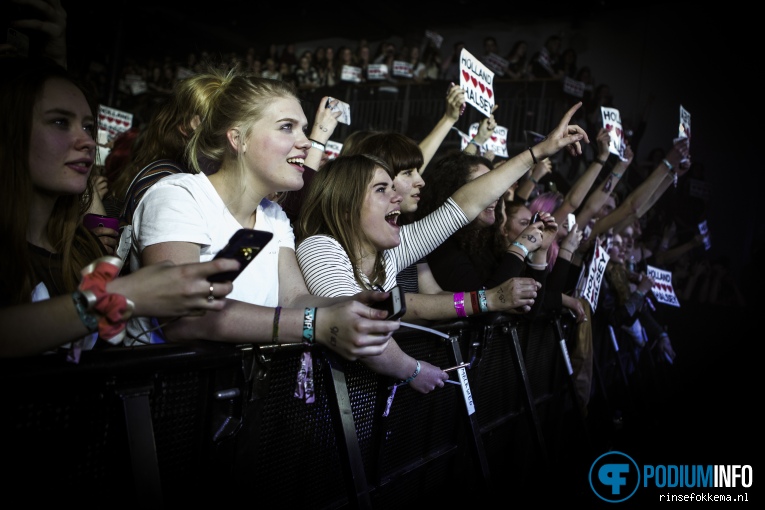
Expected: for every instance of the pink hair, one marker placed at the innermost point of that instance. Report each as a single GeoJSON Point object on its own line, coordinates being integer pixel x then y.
{"type": "Point", "coordinates": [548, 202]}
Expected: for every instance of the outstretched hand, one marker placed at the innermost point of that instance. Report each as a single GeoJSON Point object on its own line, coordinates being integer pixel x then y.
{"type": "Point", "coordinates": [564, 135]}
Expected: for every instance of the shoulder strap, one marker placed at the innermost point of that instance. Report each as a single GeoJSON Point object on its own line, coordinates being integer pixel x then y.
{"type": "Point", "coordinates": [144, 180]}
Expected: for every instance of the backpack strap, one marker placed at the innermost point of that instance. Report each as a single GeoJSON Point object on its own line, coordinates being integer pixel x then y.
{"type": "Point", "coordinates": [144, 180]}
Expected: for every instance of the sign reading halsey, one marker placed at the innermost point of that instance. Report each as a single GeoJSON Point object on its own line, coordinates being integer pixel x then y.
{"type": "Point", "coordinates": [612, 121]}
{"type": "Point", "coordinates": [595, 272]}
{"type": "Point", "coordinates": [497, 143]}
{"type": "Point", "coordinates": [662, 287]}
{"type": "Point", "coordinates": [477, 81]}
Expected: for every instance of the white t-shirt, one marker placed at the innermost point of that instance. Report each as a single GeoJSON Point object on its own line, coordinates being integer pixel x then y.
{"type": "Point", "coordinates": [186, 208]}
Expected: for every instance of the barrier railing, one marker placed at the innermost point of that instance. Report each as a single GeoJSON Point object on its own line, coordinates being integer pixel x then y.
{"type": "Point", "coordinates": [171, 425]}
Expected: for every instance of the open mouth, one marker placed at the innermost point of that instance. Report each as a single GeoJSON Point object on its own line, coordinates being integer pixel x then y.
{"type": "Point", "coordinates": [296, 161]}
{"type": "Point", "coordinates": [392, 217]}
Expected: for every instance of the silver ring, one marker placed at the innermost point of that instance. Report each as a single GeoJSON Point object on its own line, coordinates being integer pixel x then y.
{"type": "Point", "coordinates": [211, 297]}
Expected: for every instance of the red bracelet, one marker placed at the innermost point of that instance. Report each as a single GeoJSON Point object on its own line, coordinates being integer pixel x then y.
{"type": "Point", "coordinates": [114, 309]}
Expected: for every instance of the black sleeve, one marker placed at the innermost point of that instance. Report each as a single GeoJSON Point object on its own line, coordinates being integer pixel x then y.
{"type": "Point", "coordinates": [455, 271]}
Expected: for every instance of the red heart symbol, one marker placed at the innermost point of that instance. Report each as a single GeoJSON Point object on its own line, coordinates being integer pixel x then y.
{"type": "Point", "coordinates": [483, 89]}
{"type": "Point", "coordinates": [489, 92]}
{"type": "Point", "coordinates": [503, 141]}
{"type": "Point", "coordinates": [493, 138]}
{"type": "Point", "coordinates": [101, 116]}
{"type": "Point", "coordinates": [475, 82]}
{"type": "Point", "coordinates": [609, 127]}
{"type": "Point", "coordinates": [110, 119]}
{"type": "Point", "coordinates": [466, 75]}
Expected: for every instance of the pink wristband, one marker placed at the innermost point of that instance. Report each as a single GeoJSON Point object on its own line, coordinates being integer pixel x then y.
{"type": "Point", "coordinates": [459, 304]}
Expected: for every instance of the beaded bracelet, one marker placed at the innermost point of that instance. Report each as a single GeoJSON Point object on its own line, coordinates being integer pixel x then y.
{"type": "Point", "coordinates": [525, 250]}
{"type": "Point", "coordinates": [667, 164]}
{"type": "Point", "coordinates": [459, 304]}
{"type": "Point", "coordinates": [275, 330]}
{"type": "Point", "coordinates": [415, 374]}
{"type": "Point", "coordinates": [482, 301]}
{"type": "Point", "coordinates": [309, 323]}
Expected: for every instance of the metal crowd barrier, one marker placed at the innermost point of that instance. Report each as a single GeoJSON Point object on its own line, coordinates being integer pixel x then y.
{"type": "Point", "coordinates": [168, 426]}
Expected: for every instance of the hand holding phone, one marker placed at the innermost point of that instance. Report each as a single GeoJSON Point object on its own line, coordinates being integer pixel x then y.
{"type": "Point", "coordinates": [243, 246]}
{"type": "Point", "coordinates": [394, 304]}
{"type": "Point", "coordinates": [571, 221]}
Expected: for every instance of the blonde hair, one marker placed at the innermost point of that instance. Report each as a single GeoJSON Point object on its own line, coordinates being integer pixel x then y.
{"type": "Point", "coordinates": [238, 100]}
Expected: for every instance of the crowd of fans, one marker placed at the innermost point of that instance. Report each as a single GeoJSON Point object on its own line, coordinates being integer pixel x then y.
{"type": "Point", "coordinates": [346, 230]}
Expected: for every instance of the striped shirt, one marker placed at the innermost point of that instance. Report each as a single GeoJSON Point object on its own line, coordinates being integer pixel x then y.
{"type": "Point", "coordinates": [328, 271]}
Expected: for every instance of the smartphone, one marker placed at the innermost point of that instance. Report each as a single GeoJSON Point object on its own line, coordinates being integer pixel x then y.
{"type": "Point", "coordinates": [395, 304]}
{"type": "Point", "coordinates": [534, 218]}
{"type": "Point", "coordinates": [571, 221]}
{"type": "Point", "coordinates": [91, 221]}
{"type": "Point", "coordinates": [243, 246]}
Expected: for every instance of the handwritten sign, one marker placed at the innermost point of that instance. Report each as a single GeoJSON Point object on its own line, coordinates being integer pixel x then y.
{"type": "Point", "coordinates": [497, 143]}
{"type": "Point", "coordinates": [496, 63]}
{"type": "Point", "coordinates": [573, 87]}
{"type": "Point", "coordinates": [402, 69]}
{"type": "Point", "coordinates": [596, 269]}
{"type": "Point", "coordinates": [477, 81]}
{"type": "Point", "coordinates": [332, 149]}
{"type": "Point", "coordinates": [612, 121]}
{"type": "Point", "coordinates": [351, 73]}
{"type": "Point", "coordinates": [377, 71]}
{"type": "Point", "coordinates": [662, 288]}
{"type": "Point", "coordinates": [113, 121]}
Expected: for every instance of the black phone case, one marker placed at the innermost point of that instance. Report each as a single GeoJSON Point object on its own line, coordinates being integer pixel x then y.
{"type": "Point", "coordinates": [243, 246]}
{"type": "Point", "coordinates": [388, 305]}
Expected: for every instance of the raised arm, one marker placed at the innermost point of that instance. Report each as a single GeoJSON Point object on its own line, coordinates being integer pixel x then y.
{"type": "Point", "coordinates": [50, 24]}
{"type": "Point", "coordinates": [479, 193]}
{"type": "Point", "coordinates": [598, 197]}
{"type": "Point", "coordinates": [636, 202]}
{"type": "Point", "coordinates": [324, 125]}
{"type": "Point", "coordinates": [485, 129]}
{"type": "Point", "coordinates": [581, 187]}
{"type": "Point", "coordinates": [455, 99]}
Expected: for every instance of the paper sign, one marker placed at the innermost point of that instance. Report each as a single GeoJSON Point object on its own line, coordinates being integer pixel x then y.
{"type": "Point", "coordinates": [435, 37]}
{"type": "Point", "coordinates": [496, 63]}
{"type": "Point", "coordinates": [402, 69]}
{"type": "Point", "coordinates": [497, 143]}
{"type": "Point", "coordinates": [332, 149]}
{"type": "Point", "coordinates": [345, 108]}
{"type": "Point", "coordinates": [351, 73]}
{"type": "Point", "coordinates": [684, 130]}
{"type": "Point", "coordinates": [477, 81]}
{"type": "Point", "coordinates": [596, 269]}
{"type": "Point", "coordinates": [544, 60]}
{"type": "Point", "coordinates": [113, 121]}
{"type": "Point", "coordinates": [573, 87]}
{"type": "Point", "coordinates": [612, 121]}
{"type": "Point", "coordinates": [662, 288]}
{"type": "Point", "coordinates": [377, 71]}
